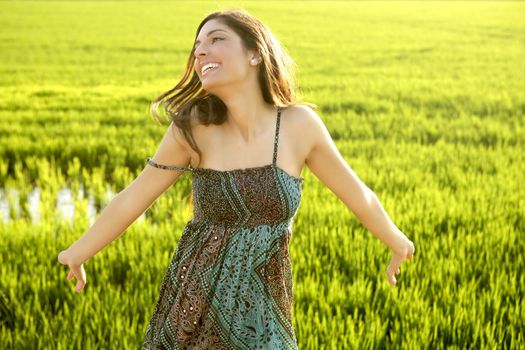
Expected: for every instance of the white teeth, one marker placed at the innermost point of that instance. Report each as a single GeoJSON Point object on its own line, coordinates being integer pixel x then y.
{"type": "Point", "coordinates": [209, 65]}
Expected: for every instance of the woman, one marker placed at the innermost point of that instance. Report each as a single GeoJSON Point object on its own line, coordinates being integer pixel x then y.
{"type": "Point", "coordinates": [229, 283]}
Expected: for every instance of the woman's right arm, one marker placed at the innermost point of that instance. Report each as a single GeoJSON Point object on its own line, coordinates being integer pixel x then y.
{"type": "Point", "coordinates": [131, 202]}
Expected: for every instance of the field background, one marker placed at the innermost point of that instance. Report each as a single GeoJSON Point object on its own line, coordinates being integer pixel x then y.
{"type": "Point", "coordinates": [425, 101]}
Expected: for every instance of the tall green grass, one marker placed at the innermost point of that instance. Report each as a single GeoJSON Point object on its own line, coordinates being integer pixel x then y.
{"type": "Point", "coordinates": [425, 101]}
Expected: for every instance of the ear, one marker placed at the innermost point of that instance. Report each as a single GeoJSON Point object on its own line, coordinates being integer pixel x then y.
{"type": "Point", "coordinates": [254, 57]}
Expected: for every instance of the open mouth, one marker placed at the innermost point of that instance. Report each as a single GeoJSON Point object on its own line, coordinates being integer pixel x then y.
{"type": "Point", "coordinates": [209, 70]}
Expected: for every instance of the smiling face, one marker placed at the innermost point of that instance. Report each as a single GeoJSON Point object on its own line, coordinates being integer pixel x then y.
{"type": "Point", "coordinates": [218, 44]}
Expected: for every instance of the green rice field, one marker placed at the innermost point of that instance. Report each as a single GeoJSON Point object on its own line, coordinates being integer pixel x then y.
{"type": "Point", "coordinates": [425, 101]}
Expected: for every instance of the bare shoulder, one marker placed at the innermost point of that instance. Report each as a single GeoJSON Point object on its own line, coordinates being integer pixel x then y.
{"type": "Point", "coordinates": [201, 134]}
{"type": "Point", "coordinates": [178, 134]}
{"type": "Point", "coordinates": [307, 126]}
{"type": "Point", "coordinates": [303, 115]}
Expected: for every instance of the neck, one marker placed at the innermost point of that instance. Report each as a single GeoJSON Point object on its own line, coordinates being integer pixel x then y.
{"type": "Point", "coordinates": [249, 120]}
{"type": "Point", "coordinates": [248, 114]}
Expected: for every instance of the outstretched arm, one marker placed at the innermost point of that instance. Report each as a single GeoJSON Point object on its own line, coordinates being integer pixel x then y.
{"type": "Point", "coordinates": [325, 161]}
{"type": "Point", "coordinates": [128, 204]}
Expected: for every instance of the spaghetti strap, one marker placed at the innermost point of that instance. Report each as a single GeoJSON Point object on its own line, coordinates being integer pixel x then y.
{"type": "Point", "coordinates": [276, 143]}
{"type": "Point", "coordinates": [167, 167]}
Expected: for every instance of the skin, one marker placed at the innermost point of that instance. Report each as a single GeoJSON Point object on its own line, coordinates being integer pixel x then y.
{"type": "Point", "coordinates": [303, 140]}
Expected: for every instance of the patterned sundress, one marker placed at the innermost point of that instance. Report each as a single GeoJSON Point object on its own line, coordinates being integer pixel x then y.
{"type": "Point", "coordinates": [229, 282]}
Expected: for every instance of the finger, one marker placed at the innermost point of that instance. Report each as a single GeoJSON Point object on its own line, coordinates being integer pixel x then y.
{"type": "Point", "coordinates": [83, 273]}
{"type": "Point", "coordinates": [391, 278]}
{"type": "Point", "coordinates": [395, 263]}
{"type": "Point", "coordinates": [70, 275]}
{"type": "Point", "coordinates": [80, 274]}
{"type": "Point", "coordinates": [391, 270]}
{"type": "Point", "coordinates": [80, 285]}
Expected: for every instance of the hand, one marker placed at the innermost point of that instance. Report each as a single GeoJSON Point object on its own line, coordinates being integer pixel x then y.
{"type": "Point", "coordinates": [76, 270]}
{"type": "Point", "coordinates": [406, 251]}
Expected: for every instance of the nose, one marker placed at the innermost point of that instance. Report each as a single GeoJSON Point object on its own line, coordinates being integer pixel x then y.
{"type": "Point", "coordinates": [198, 51]}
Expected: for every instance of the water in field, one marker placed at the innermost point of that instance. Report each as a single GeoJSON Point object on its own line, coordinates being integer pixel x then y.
{"type": "Point", "coordinates": [65, 207]}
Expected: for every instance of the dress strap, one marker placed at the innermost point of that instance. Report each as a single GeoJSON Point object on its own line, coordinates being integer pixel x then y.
{"type": "Point", "coordinates": [276, 143]}
{"type": "Point", "coordinates": [167, 167]}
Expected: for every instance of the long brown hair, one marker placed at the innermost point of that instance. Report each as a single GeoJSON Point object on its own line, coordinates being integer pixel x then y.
{"type": "Point", "coordinates": [276, 77]}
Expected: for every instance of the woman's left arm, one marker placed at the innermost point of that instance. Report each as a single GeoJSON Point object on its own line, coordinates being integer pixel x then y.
{"type": "Point", "coordinates": [327, 164]}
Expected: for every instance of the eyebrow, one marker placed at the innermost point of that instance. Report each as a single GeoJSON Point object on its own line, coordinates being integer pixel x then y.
{"type": "Point", "coordinates": [211, 31]}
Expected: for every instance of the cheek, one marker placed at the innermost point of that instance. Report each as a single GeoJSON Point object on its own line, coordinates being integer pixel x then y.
{"type": "Point", "coordinates": [235, 70]}
{"type": "Point", "coordinates": [196, 66]}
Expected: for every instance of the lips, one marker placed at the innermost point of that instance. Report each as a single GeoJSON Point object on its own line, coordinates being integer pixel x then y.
{"type": "Point", "coordinates": [209, 70]}
{"type": "Point", "coordinates": [207, 66]}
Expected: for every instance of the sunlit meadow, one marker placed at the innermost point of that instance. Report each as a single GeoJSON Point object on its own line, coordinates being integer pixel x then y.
{"type": "Point", "coordinates": [424, 100]}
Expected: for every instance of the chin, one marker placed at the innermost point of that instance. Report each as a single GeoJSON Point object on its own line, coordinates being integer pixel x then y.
{"type": "Point", "coordinates": [210, 86]}
{"type": "Point", "coordinates": [206, 86]}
